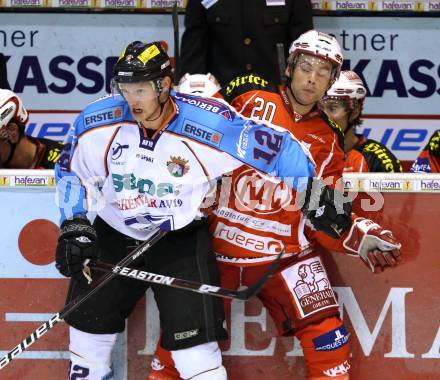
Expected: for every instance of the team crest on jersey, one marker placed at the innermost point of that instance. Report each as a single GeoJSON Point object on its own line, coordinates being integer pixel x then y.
{"type": "Point", "coordinates": [177, 166]}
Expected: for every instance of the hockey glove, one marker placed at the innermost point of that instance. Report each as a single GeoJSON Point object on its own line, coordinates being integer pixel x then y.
{"type": "Point", "coordinates": [76, 243]}
{"type": "Point", "coordinates": [326, 208]}
{"type": "Point", "coordinates": [377, 247]}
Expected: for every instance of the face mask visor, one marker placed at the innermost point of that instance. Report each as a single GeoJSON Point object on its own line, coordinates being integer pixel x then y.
{"type": "Point", "coordinates": [334, 104]}
{"type": "Point", "coordinates": [135, 91]}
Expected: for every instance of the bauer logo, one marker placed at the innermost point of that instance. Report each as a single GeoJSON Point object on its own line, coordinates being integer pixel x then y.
{"type": "Point", "coordinates": [201, 133]}
{"type": "Point", "coordinates": [102, 117]}
{"type": "Point", "coordinates": [332, 340]}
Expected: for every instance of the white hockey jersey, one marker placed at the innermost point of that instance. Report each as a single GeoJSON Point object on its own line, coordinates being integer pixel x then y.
{"type": "Point", "coordinates": [135, 181]}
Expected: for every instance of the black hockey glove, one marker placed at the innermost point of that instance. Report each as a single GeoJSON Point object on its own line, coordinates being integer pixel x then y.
{"type": "Point", "coordinates": [76, 243]}
{"type": "Point", "coordinates": [326, 208]}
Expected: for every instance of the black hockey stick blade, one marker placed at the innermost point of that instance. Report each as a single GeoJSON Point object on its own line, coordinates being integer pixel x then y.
{"type": "Point", "coordinates": [192, 286]}
{"type": "Point", "coordinates": [156, 235]}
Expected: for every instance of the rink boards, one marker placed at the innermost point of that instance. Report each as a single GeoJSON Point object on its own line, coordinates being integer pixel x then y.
{"type": "Point", "coordinates": [394, 316]}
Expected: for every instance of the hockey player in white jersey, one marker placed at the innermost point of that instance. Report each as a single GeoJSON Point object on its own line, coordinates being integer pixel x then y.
{"type": "Point", "coordinates": [148, 157]}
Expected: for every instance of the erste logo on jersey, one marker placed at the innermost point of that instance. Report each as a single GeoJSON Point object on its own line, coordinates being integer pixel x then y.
{"type": "Point", "coordinates": [259, 194]}
{"type": "Point", "coordinates": [102, 117]}
{"type": "Point", "coordinates": [201, 133]}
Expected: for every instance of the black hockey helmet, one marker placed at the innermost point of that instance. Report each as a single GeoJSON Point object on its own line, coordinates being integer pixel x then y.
{"type": "Point", "coordinates": [142, 61]}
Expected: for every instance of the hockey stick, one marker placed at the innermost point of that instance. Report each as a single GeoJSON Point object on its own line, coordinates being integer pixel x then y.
{"type": "Point", "coordinates": [98, 284]}
{"type": "Point", "coordinates": [175, 17]}
{"type": "Point", "coordinates": [3, 73]}
{"type": "Point", "coordinates": [192, 286]}
{"type": "Point", "coordinates": [281, 62]}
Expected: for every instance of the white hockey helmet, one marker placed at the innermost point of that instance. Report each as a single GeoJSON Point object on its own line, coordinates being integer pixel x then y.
{"type": "Point", "coordinates": [348, 87]}
{"type": "Point", "coordinates": [198, 84]}
{"type": "Point", "coordinates": [11, 108]}
{"type": "Point", "coordinates": [318, 44]}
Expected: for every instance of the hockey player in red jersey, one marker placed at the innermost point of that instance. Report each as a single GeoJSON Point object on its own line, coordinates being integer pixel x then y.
{"type": "Point", "coordinates": [344, 103]}
{"type": "Point", "coordinates": [429, 159]}
{"type": "Point", "coordinates": [256, 217]}
{"type": "Point", "coordinates": [17, 150]}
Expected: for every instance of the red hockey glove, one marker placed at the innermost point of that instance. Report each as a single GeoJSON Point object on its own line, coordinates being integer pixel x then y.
{"type": "Point", "coordinates": [377, 247]}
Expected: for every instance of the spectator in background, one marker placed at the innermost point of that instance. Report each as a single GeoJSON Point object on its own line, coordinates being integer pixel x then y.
{"type": "Point", "coordinates": [17, 150]}
{"type": "Point", "coordinates": [343, 103]}
{"type": "Point", "coordinates": [231, 37]}
{"type": "Point", "coordinates": [429, 159]}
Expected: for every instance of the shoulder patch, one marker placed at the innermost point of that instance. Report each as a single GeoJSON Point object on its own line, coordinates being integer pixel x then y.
{"type": "Point", "coordinates": [206, 104]}
{"type": "Point", "coordinates": [421, 165]}
{"type": "Point", "coordinates": [434, 144]}
{"type": "Point", "coordinates": [103, 116]}
{"type": "Point", "coordinates": [245, 83]}
{"type": "Point", "coordinates": [335, 127]}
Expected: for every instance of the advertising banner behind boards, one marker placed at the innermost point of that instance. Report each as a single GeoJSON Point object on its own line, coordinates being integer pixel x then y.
{"type": "Point", "coordinates": [393, 317]}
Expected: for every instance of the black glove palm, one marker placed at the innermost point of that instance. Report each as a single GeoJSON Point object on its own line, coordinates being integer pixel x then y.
{"type": "Point", "coordinates": [326, 209]}
{"type": "Point", "coordinates": [76, 243]}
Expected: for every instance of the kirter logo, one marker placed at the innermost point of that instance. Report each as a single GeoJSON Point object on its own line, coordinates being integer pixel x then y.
{"type": "Point", "coordinates": [177, 166]}
{"type": "Point", "coordinates": [54, 155]}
